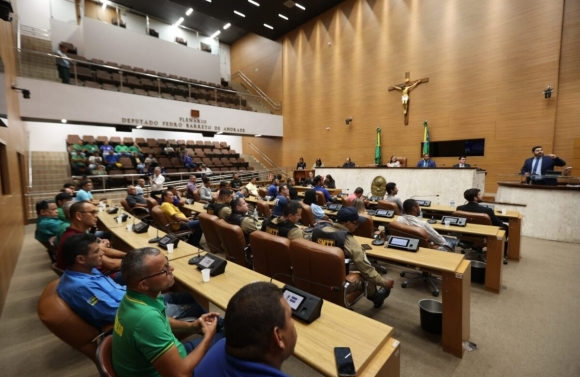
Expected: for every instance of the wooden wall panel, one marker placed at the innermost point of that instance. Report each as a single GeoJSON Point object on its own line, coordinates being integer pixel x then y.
{"type": "Point", "coordinates": [96, 11]}
{"type": "Point", "coordinates": [488, 63]}
{"type": "Point", "coordinates": [14, 137]}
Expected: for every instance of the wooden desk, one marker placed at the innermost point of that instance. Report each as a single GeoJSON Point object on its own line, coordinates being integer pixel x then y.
{"type": "Point", "coordinates": [332, 192]}
{"type": "Point", "coordinates": [514, 219]}
{"type": "Point", "coordinates": [456, 287]}
{"type": "Point", "coordinates": [196, 207]}
{"type": "Point", "coordinates": [374, 353]}
{"type": "Point", "coordinates": [301, 174]}
{"type": "Point", "coordinates": [110, 221]}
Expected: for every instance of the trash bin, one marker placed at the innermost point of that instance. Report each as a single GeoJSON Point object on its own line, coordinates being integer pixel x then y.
{"type": "Point", "coordinates": [431, 315]}
{"type": "Point", "coordinates": [478, 272]}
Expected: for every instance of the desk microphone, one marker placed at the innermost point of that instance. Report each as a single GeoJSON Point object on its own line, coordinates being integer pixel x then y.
{"type": "Point", "coordinates": [156, 239]}
{"type": "Point", "coordinates": [333, 288]}
{"type": "Point", "coordinates": [424, 196]}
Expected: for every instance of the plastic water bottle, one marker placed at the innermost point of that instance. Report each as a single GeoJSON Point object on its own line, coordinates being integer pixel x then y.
{"type": "Point", "coordinates": [255, 211]}
{"type": "Point", "coordinates": [452, 204]}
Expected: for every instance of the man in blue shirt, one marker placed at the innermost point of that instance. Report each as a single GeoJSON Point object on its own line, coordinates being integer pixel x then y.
{"type": "Point", "coordinates": [106, 148]}
{"type": "Point", "coordinates": [111, 160]}
{"type": "Point", "coordinates": [96, 297]}
{"type": "Point", "coordinates": [281, 201]}
{"type": "Point", "coordinates": [48, 221]}
{"type": "Point", "coordinates": [85, 194]}
{"type": "Point", "coordinates": [318, 187]}
{"type": "Point", "coordinates": [273, 189]}
{"type": "Point", "coordinates": [426, 162]}
{"type": "Point", "coordinates": [260, 335]}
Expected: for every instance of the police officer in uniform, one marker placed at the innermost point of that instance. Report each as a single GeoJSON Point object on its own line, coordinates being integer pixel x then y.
{"type": "Point", "coordinates": [242, 218]}
{"type": "Point", "coordinates": [221, 207]}
{"type": "Point", "coordinates": [285, 225]}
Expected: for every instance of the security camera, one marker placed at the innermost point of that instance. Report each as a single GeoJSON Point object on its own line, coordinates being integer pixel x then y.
{"type": "Point", "coordinates": [348, 120]}
{"type": "Point", "coordinates": [548, 92]}
{"type": "Point", "coordinates": [5, 10]}
{"type": "Point", "coordinates": [25, 92]}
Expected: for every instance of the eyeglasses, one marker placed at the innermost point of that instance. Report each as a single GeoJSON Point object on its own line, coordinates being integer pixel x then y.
{"type": "Point", "coordinates": [95, 212]}
{"type": "Point", "coordinates": [356, 223]}
{"type": "Point", "coordinates": [165, 271]}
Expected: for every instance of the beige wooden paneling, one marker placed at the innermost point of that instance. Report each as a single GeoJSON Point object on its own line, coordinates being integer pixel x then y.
{"type": "Point", "coordinates": [96, 11]}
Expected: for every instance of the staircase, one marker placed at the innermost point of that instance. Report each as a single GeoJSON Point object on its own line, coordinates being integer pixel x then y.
{"type": "Point", "coordinates": [257, 165]}
{"type": "Point", "coordinates": [33, 65]}
{"type": "Point", "coordinates": [251, 100]}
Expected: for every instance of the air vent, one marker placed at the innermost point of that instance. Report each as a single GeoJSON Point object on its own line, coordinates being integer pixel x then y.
{"type": "Point", "coordinates": [289, 3]}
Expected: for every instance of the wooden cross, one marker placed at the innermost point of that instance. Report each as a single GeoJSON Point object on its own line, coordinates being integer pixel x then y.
{"type": "Point", "coordinates": [406, 88]}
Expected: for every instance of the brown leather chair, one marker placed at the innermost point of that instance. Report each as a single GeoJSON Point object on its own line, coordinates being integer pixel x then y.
{"type": "Point", "coordinates": [51, 248]}
{"type": "Point", "coordinates": [56, 270]}
{"type": "Point", "coordinates": [207, 223]}
{"type": "Point", "coordinates": [402, 161]}
{"type": "Point", "coordinates": [272, 256]}
{"type": "Point", "coordinates": [151, 202]}
{"type": "Point", "coordinates": [104, 357]}
{"type": "Point", "coordinates": [473, 245]}
{"type": "Point", "coordinates": [346, 202]}
{"type": "Point", "coordinates": [320, 199]}
{"type": "Point", "coordinates": [125, 205]}
{"type": "Point", "coordinates": [385, 204]}
{"type": "Point", "coordinates": [365, 229]}
{"type": "Point", "coordinates": [234, 242]}
{"type": "Point", "coordinates": [312, 262]}
{"type": "Point", "coordinates": [63, 322]}
{"type": "Point", "coordinates": [264, 209]}
{"type": "Point", "coordinates": [307, 217]}
{"type": "Point", "coordinates": [262, 192]}
{"type": "Point", "coordinates": [399, 229]}
{"type": "Point", "coordinates": [162, 223]}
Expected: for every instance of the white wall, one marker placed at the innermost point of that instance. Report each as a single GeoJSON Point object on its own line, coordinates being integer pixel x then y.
{"type": "Point", "coordinates": [51, 137]}
{"type": "Point", "coordinates": [61, 31]}
{"type": "Point", "coordinates": [225, 67]}
{"type": "Point", "coordinates": [111, 43]}
{"type": "Point", "coordinates": [35, 13]}
{"type": "Point", "coordinates": [63, 10]}
{"type": "Point", "coordinates": [134, 22]}
{"type": "Point", "coordinates": [51, 100]}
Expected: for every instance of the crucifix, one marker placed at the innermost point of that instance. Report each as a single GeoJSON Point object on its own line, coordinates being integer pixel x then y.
{"type": "Point", "coordinates": [406, 88]}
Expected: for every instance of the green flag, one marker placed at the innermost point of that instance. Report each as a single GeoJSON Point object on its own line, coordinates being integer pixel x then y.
{"type": "Point", "coordinates": [425, 138]}
{"type": "Point", "coordinates": [378, 148]}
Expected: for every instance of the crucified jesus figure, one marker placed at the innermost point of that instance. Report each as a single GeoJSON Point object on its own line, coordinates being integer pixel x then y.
{"type": "Point", "coordinates": [406, 88]}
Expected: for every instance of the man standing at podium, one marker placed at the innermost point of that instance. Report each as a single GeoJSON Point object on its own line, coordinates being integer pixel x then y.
{"type": "Point", "coordinates": [535, 168]}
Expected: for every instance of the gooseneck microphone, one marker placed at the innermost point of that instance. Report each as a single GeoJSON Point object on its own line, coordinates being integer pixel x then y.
{"type": "Point", "coordinates": [333, 288]}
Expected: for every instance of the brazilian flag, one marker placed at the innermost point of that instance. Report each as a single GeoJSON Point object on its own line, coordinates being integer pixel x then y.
{"type": "Point", "coordinates": [378, 148]}
{"type": "Point", "coordinates": [425, 137]}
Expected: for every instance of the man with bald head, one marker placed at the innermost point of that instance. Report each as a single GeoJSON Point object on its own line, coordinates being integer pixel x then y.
{"type": "Point", "coordinates": [133, 199]}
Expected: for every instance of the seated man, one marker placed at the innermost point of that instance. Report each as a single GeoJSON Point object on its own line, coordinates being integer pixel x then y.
{"type": "Point", "coordinates": [143, 341]}
{"type": "Point", "coordinates": [122, 150]}
{"type": "Point", "coordinates": [241, 217]}
{"type": "Point", "coordinates": [317, 211]}
{"type": "Point", "coordinates": [259, 335]}
{"type": "Point", "coordinates": [133, 199]}
{"type": "Point", "coordinates": [243, 193]}
{"type": "Point", "coordinates": [79, 162]}
{"type": "Point", "coordinates": [281, 201]}
{"type": "Point", "coordinates": [340, 234]}
{"type": "Point", "coordinates": [252, 188]}
{"type": "Point", "coordinates": [273, 188]}
{"type": "Point", "coordinates": [356, 194]}
{"type": "Point", "coordinates": [411, 217]}
{"type": "Point", "coordinates": [309, 181]}
{"type": "Point", "coordinates": [205, 193]}
{"type": "Point", "coordinates": [236, 183]}
{"type": "Point", "coordinates": [48, 221]}
{"type": "Point", "coordinates": [85, 194]}
{"type": "Point", "coordinates": [221, 207]}
{"type": "Point", "coordinates": [473, 197]}
{"type": "Point", "coordinates": [191, 187]}
{"type": "Point", "coordinates": [462, 164]}
{"type": "Point", "coordinates": [392, 190]}
{"type": "Point", "coordinates": [60, 199]}
{"type": "Point", "coordinates": [111, 160]}
{"type": "Point", "coordinates": [140, 186]}
{"type": "Point", "coordinates": [223, 185]}
{"type": "Point", "coordinates": [91, 147]}
{"type": "Point", "coordinates": [179, 220]}
{"type": "Point", "coordinates": [285, 225]}
{"type": "Point", "coordinates": [177, 199]}
{"type": "Point", "coordinates": [319, 187]}
{"type": "Point", "coordinates": [426, 162]}
{"type": "Point", "coordinates": [348, 163]}
{"type": "Point", "coordinates": [205, 170]}
{"type": "Point", "coordinates": [106, 148]}
{"type": "Point", "coordinates": [65, 223]}
{"type": "Point", "coordinates": [187, 161]}
{"type": "Point", "coordinates": [291, 190]}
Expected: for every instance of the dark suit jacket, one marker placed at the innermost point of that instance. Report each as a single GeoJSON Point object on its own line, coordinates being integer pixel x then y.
{"type": "Point", "coordinates": [349, 165]}
{"type": "Point", "coordinates": [475, 207]}
{"type": "Point", "coordinates": [547, 164]}
{"type": "Point", "coordinates": [431, 164]}
{"type": "Point", "coordinates": [465, 166]}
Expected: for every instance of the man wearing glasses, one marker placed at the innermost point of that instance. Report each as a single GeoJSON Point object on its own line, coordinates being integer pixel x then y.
{"type": "Point", "coordinates": [143, 342]}
{"type": "Point", "coordinates": [340, 234]}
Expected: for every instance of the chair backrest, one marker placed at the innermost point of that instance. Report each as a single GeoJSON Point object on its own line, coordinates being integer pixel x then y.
{"type": "Point", "coordinates": [160, 219]}
{"type": "Point", "coordinates": [105, 357]}
{"type": "Point", "coordinates": [272, 256]}
{"type": "Point", "coordinates": [151, 202]}
{"type": "Point", "coordinates": [264, 209]}
{"type": "Point", "coordinates": [207, 223]}
{"type": "Point", "coordinates": [385, 204]}
{"type": "Point", "coordinates": [365, 229]}
{"type": "Point", "coordinates": [262, 192]}
{"type": "Point", "coordinates": [307, 216]}
{"type": "Point", "coordinates": [312, 262]}
{"type": "Point", "coordinates": [346, 202]}
{"type": "Point", "coordinates": [63, 322]}
{"type": "Point", "coordinates": [233, 241]}
{"type": "Point", "coordinates": [320, 199]}
{"type": "Point", "coordinates": [403, 230]}
{"type": "Point", "coordinates": [474, 217]}
{"type": "Point", "coordinates": [125, 205]}
{"type": "Point", "coordinates": [402, 161]}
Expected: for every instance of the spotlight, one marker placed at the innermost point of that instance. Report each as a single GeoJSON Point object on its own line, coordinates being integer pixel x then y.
{"type": "Point", "coordinates": [348, 121]}
{"type": "Point", "coordinates": [25, 92]}
{"type": "Point", "coordinates": [548, 92]}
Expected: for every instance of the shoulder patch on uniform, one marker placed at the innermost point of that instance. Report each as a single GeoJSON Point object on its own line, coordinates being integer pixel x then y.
{"type": "Point", "coordinates": [93, 300]}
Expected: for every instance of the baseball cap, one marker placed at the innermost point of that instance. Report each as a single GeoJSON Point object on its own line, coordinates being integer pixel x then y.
{"type": "Point", "coordinates": [349, 214]}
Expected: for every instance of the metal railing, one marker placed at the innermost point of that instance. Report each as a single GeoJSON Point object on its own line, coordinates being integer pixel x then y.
{"type": "Point", "coordinates": [273, 104]}
{"type": "Point", "coordinates": [275, 168]}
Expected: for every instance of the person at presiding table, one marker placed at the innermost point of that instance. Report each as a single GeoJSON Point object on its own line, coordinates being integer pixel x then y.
{"type": "Point", "coordinates": [411, 217]}
{"type": "Point", "coordinates": [285, 225]}
{"type": "Point", "coordinates": [179, 220]}
{"type": "Point", "coordinates": [340, 234]}
{"type": "Point", "coordinates": [60, 199]}
{"type": "Point", "coordinates": [319, 187]}
{"type": "Point", "coordinates": [348, 163]}
{"type": "Point", "coordinates": [133, 199]}
{"type": "Point", "coordinates": [539, 165]}
{"type": "Point", "coordinates": [241, 217]}
{"type": "Point", "coordinates": [317, 164]}
{"type": "Point", "coordinates": [281, 201]}
{"type": "Point", "coordinates": [143, 340]}
{"type": "Point", "coordinates": [236, 182]}
{"type": "Point", "coordinates": [273, 189]}
{"type": "Point", "coordinates": [393, 162]}
{"type": "Point", "coordinates": [461, 164]}
{"type": "Point", "coordinates": [426, 162]}
{"type": "Point", "coordinates": [252, 188]}
{"type": "Point", "coordinates": [317, 211]}
{"type": "Point", "coordinates": [301, 165]}
{"type": "Point", "coordinates": [221, 206]}
{"type": "Point", "coordinates": [83, 216]}
{"type": "Point", "coordinates": [259, 335]}
{"type": "Point", "coordinates": [48, 221]}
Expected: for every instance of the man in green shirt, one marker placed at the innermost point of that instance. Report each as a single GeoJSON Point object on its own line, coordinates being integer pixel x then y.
{"type": "Point", "coordinates": [79, 162]}
{"type": "Point", "coordinates": [79, 147]}
{"type": "Point", "coordinates": [91, 148]}
{"type": "Point", "coordinates": [48, 222]}
{"type": "Point", "coordinates": [135, 149]}
{"type": "Point", "coordinates": [122, 150]}
{"type": "Point", "coordinates": [65, 209]}
{"type": "Point", "coordinates": [143, 341]}
{"type": "Point", "coordinates": [60, 200]}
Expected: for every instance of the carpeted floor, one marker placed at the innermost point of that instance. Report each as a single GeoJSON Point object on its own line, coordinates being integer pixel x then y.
{"type": "Point", "coordinates": [531, 329]}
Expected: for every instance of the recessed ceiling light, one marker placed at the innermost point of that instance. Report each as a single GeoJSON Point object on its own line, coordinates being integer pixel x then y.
{"type": "Point", "coordinates": [300, 6]}
{"type": "Point", "coordinates": [104, 4]}
{"type": "Point", "coordinates": [268, 26]}
{"type": "Point", "coordinates": [227, 26]}
{"type": "Point", "coordinates": [282, 16]}
{"type": "Point", "coordinates": [139, 126]}
{"type": "Point", "coordinates": [258, 135]}
{"type": "Point", "coordinates": [209, 1]}
{"type": "Point", "coordinates": [219, 133]}
{"type": "Point", "coordinates": [253, 2]}
{"type": "Point", "coordinates": [63, 120]}
{"type": "Point", "coordinates": [189, 11]}
{"type": "Point", "coordinates": [214, 34]}
{"type": "Point", "coordinates": [179, 21]}
{"type": "Point", "coordinates": [239, 14]}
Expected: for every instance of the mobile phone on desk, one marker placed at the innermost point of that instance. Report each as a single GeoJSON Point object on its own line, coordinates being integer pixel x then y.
{"type": "Point", "coordinates": [344, 363]}
{"type": "Point", "coordinates": [366, 246]}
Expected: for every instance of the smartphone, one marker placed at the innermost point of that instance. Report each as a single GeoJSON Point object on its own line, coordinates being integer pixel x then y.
{"type": "Point", "coordinates": [366, 246]}
{"type": "Point", "coordinates": [344, 363]}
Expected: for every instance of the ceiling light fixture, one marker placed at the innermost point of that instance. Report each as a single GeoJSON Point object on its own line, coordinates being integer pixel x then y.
{"type": "Point", "coordinates": [219, 133]}
{"type": "Point", "coordinates": [179, 21]}
{"type": "Point", "coordinates": [253, 2]}
{"type": "Point", "coordinates": [239, 14]}
{"type": "Point", "coordinates": [189, 11]}
{"type": "Point", "coordinates": [209, 1]}
{"type": "Point", "coordinates": [139, 126]}
{"type": "Point", "coordinates": [268, 26]}
{"type": "Point", "coordinates": [258, 135]}
{"type": "Point", "coordinates": [63, 120]}
{"type": "Point", "coordinates": [300, 6]}
{"type": "Point", "coordinates": [104, 4]}
{"type": "Point", "coordinates": [215, 34]}
{"type": "Point", "coordinates": [227, 26]}
{"type": "Point", "coordinates": [282, 16]}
